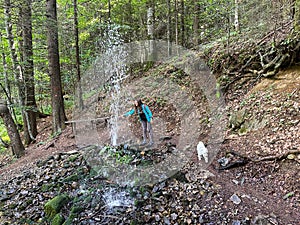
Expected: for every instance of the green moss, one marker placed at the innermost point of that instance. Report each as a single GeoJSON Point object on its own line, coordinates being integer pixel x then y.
{"type": "Point", "coordinates": [77, 209]}
{"type": "Point", "coordinates": [12, 206]}
{"type": "Point", "coordinates": [58, 219]}
{"type": "Point", "coordinates": [46, 187]}
{"type": "Point", "coordinates": [73, 177]}
{"type": "Point", "coordinates": [70, 219]}
{"type": "Point", "coordinates": [134, 222]}
{"type": "Point", "coordinates": [73, 158]}
{"type": "Point", "coordinates": [53, 206]}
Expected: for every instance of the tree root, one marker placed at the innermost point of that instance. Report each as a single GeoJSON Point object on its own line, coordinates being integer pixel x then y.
{"type": "Point", "coordinates": [3, 143]}
{"type": "Point", "coordinates": [263, 59]}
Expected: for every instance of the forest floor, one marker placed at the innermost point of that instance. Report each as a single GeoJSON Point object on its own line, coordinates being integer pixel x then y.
{"type": "Point", "coordinates": [263, 131]}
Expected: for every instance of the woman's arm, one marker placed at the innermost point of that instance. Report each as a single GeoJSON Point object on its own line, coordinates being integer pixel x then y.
{"type": "Point", "coordinates": [129, 113]}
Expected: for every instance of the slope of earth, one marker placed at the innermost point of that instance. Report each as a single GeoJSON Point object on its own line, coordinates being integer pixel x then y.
{"type": "Point", "coordinates": [253, 180]}
{"type": "Point", "coordinates": [265, 131]}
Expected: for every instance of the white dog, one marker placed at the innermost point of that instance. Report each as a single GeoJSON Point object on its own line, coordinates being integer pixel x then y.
{"type": "Point", "coordinates": [202, 151]}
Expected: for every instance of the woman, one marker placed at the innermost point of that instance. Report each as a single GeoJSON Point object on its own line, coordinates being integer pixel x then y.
{"type": "Point", "coordinates": [145, 116]}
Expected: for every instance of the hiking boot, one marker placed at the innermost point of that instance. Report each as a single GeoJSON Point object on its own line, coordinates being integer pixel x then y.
{"type": "Point", "coordinates": [150, 143]}
{"type": "Point", "coordinates": [143, 143]}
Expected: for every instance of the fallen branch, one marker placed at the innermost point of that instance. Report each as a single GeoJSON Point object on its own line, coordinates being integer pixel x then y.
{"type": "Point", "coordinates": [276, 157]}
{"type": "Point", "coordinates": [245, 159]}
{"type": "Point", "coordinates": [267, 158]}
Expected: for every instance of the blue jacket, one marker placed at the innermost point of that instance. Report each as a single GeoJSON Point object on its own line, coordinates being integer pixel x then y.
{"type": "Point", "coordinates": [145, 109]}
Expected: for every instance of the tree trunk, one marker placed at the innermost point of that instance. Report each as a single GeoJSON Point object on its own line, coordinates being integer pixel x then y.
{"type": "Point", "coordinates": [17, 69]}
{"type": "Point", "coordinates": [16, 143]}
{"type": "Point", "coordinates": [196, 24]}
{"type": "Point", "coordinates": [150, 27]}
{"type": "Point", "coordinates": [297, 16]}
{"type": "Point", "coordinates": [6, 87]}
{"type": "Point", "coordinates": [58, 110]}
{"type": "Point", "coordinates": [4, 63]}
{"type": "Point", "coordinates": [236, 16]}
{"type": "Point", "coordinates": [176, 22]}
{"type": "Point", "coordinates": [109, 11]}
{"type": "Point", "coordinates": [169, 26]}
{"type": "Point", "coordinates": [30, 103]}
{"type": "Point", "coordinates": [182, 25]}
{"type": "Point", "coordinates": [150, 23]}
{"type": "Point", "coordinates": [78, 77]}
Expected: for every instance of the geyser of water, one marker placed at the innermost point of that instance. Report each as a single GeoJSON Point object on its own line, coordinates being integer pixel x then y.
{"type": "Point", "coordinates": [114, 197]}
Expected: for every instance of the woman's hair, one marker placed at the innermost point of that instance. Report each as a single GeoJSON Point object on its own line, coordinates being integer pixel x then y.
{"type": "Point", "coordinates": [140, 103]}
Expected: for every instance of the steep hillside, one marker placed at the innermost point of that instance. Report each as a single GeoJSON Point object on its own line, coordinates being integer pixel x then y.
{"type": "Point", "coordinates": [254, 179]}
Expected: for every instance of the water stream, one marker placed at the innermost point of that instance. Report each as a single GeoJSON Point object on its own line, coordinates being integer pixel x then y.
{"type": "Point", "coordinates": [113, 197]}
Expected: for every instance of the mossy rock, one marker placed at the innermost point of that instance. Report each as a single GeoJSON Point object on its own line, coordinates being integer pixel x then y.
{"type": "Point", "coordinates": [77, 209]}
{"type": "Point", "coordinates": [53, 206]}
{"type": "Point", "coordinates": [47, 187]}
{"type": "Point", "coordinates": [73, 158]}
{"type": "Point", "coordinates": [70, 219]}
{"type": "Point", "coordinates": [238, 118]}
{"type": "Point", "coordinates": [58, 219]}
{"type": "Point", "coordinates": [73, 177]}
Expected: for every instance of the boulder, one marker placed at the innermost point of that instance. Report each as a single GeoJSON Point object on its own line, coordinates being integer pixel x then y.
{"type": "Point", "coordinates": [53, 206]}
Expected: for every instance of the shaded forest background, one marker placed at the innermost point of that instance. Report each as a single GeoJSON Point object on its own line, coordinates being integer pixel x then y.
{"type": "Point", "coordinates": [45, 46]}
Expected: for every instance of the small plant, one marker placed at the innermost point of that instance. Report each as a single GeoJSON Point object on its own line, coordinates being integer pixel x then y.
{"type": "Point", "coordinates": [243, 103]}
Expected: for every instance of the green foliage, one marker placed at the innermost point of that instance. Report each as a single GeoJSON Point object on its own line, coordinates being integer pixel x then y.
{"type": "Point", "coordinates": [118, 155]}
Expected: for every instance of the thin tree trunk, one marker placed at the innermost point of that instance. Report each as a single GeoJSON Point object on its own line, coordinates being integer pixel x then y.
{"type": "Point", "coordinates": [4, 63]}
{"type": "Point", "coordinates": [182, 26]}
{"type": "Point", "coordinates": [297, 16]}
{"type": "Point", "coordinates": [30, 103]}
{"type": "Point", "coordinates": [176, 22]}
{"type": "Point", "coordinates": [17, 69]}
{"type": "Point", "coordinates": [236, 16]}
{"type": "Point", "coordinates": [58, 110]}
{"type": "Point", "coordinates": [109, 11]}
{"type": "Point", "coordinates": [6, 86]}
{"type": "Point", "coordinates": [150, 25]}
{"type": "Point", "coordinates": [16, 143]}
{"type": "Point", "coordinates": [169, 32]}
{"type": "Point", "coordinates": [196, 23]}
{"type": "Point", "coordinates": [129, 19]}
{"type": "Point", "coordinates": [78, 77]}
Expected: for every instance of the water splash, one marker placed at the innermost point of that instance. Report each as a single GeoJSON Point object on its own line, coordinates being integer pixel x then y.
{"type": "Point", "coordinates": [114, 197]}
{"type": "Point", "coordinates": [116, 68]}
{"type": "Point", "coordinates": [109, 70]}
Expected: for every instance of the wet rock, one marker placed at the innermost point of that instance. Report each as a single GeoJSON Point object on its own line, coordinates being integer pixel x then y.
{"type": "Point", "coordinates": [288, 195]}
{"type": "Point", "coordinates": [167, 221]}
{"type": "Point", "coordinates": [223, 161]}
{"type": "Point", "coordinates": [174, 216]}
{"type": "Point", "coordinates": [291, 156]}
{"type": "Point", "coordinates": [165, 138]}
{"type": "Point", "coordinates": [235, 199]}
{"type": "Point", "coordinates": [236, 222]}
{"type": "Point", "coordinates": [4, 197]}
{"type": "Point", "coordinates": [260, 220]}
{"type": "Point", "coordinates": [157, 218]}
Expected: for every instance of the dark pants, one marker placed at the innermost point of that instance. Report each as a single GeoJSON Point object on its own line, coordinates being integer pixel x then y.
{"type": "Point", "coordinates": [147, 127]}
